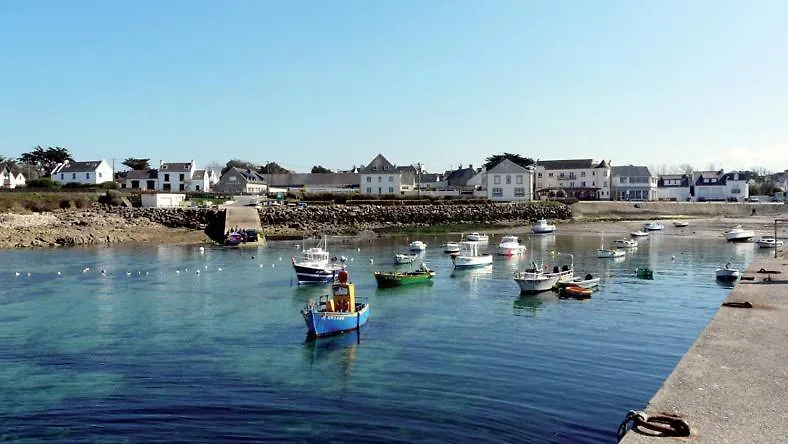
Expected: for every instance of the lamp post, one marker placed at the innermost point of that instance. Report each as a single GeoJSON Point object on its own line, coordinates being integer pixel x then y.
{"type": "Point", "coordinates": [418, 179]}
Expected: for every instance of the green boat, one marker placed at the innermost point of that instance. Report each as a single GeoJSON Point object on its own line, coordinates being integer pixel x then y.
{"type": "Point", "coordinates": [387, 279]}
{"type": "Point", "coordinates": [644, 272]}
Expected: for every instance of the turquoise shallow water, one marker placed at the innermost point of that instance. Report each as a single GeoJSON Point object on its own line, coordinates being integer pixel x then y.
{"type": "Point", "coordinates": [153, 351]}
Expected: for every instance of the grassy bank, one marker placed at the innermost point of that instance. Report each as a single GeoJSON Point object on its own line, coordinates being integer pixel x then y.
{"type": "Point", "coordinates": [37, 202]}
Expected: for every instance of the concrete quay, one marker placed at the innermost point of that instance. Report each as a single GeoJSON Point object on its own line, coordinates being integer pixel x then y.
{"type": "Point", "coordinates": [732, 384]}
{"type": "Point", "coordinates": [246, 218]}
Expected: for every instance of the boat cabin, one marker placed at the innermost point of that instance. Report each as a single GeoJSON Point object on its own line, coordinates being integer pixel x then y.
{"type": "Point", "coordinates": [343, 295]}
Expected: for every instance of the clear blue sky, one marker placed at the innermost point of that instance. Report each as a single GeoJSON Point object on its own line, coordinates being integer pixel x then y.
{"type": "Point", "coordinates": [444, 83]}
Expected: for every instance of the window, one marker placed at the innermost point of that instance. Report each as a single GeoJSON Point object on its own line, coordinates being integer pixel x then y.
{"type": "Point", "coordinates": [181, 177]}
{"type": "Point", "coordinates": [87, 175]}
{"type": "Point", "coordinates": [369, 179]}
{"type": "Point", "coordinates": [391, 178]}
{"type": "Point", "coordinates": [166, 186]}
{"type": "Point", "coordinates": [583, 183]}
{"type": "Point", "coordinates": [167, 178]}
{"type": "Point", "coordinates": [582, 174]}
{"type": "Point", "coordinates": [497, 179]}
{"type": "Point", "coordinates": [380, 178]}
{"type": "Point", "coordinates": [198, 188]}
{"type": "Point", "coordinates": [135, 184]}
{"type": "Point", "coordinates": [182, 187]}
{"type": "Point", "coordinates": [593, 173]}
{"type": "Point", "coordinates": [519, 192]}
{"type": "Point", "coordinates": [497, 192]}
{"type": "Point", "coordinates": [380, 190]}
{"type": "Point", "coordinates": [369, 190]}
{"type": "Point", "coordinates": [62, 176]}
{"type": "Point", "coordinates": [391, 189]}
{"type": "Point", "coordinates": [519, 179]}
{"type": "Point", "coordinates": [538, 174]}
{"type": "Point", "coordinates": [99, 175]}
{"type": "Point", "coordinates": [508, 179]}
{"type": "Point", "coordinates": [549, 174]}
{"type": "Point", "coordinates": [572, 184]}
{"type": "Point", "coordinates": [622, 179]}
{"type": "Point", "coordinates": [74, 176]}
{"type": "Point", "coordinates": [604, 184]}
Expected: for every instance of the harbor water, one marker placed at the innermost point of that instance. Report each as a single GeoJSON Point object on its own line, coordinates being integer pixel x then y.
{"type": "Point", "coordinates": [174, 344]}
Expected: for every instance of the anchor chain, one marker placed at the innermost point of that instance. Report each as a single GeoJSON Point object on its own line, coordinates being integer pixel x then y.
{"type": "Point", "coordinates": [664, 424]}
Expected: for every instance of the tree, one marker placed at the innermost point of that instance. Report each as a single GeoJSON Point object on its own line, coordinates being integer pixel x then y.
{"type": "Point", "coordinates": [495, 159]}
{"type": "Point", "coordinates": [318, 169]}
{"type": "Point", "coordinates": [273, 168]}
{"type": "Point", "coordinates": [10, 163]}
{"type": "Point", "coordinates": [136, 164]}
{"type": "Point", "coordinates": [240, 164]}
{"type": "Point", "coordinates": [687, 169]}
{"type": "Point", "coordinates": [45, 160]}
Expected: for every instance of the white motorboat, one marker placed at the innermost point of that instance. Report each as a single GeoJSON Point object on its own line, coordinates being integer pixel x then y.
{"type": "Point", "coordinates": [470, 256]}
{"type": "Point", "coordinates": [638, 233]}
{"type": "Point", "coordinates": [510, 246]}
{"type": "Point", "coordinates": [728, 273]}
{"type": "Point", "coordinates": [537, 279]}
{"type": "Point", "coordinates": [653, 226]}
{"type": "Point", "coordinates": [739, 234]}
{"type": "Point", "coordinates": [417, 245]}
{"type": "Point", "coordinates": [625, 243]}
{"type": "Point", "coordinates": [769, 242]}
{"type": "Point", "coordinates": [402, 258]}
{"type": "Point", "coordinates": [608, 252]}
{"type": "Point", "coordinates": [587, 281]}
{"type": "Point", "coordinates": [478, 237]}
{"type": "Point", "coordinates": [542, 227]}
{"type": "Point", "coordinates": [315, 267]}
{"type": "Point", "coordinates": [451, 247]}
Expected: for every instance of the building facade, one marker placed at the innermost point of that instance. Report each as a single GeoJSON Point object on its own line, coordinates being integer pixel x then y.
{"type": "Point", "coordinates": [508, 181]}
{"type": "Point", "coordinates": [582, 179]}
{"type": "Point", "coordinates": [381, 177]}
{"type": "Point", "coordinates": [92, 172]}
{"type": "Point", "coordinates": [629, 182]}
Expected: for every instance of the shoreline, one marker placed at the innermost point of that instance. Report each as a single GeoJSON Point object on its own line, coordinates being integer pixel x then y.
{"type": "Point", "coordinates": [91, 227]}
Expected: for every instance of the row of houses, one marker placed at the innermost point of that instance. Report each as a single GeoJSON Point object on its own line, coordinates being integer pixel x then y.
{"type": "Point", "coordinates": [583, 179]}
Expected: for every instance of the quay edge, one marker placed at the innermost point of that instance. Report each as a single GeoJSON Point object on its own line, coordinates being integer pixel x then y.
{"type": "Point", "coordinates": [732, 384]}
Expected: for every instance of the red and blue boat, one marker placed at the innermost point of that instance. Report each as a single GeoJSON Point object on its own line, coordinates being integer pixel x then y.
{"type": "Point", "coordinates": [338, 312]}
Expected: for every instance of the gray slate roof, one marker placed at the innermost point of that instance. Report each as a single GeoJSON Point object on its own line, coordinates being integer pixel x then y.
{"type": "Point", "coordinates": [150, 173]}
{"type": "Point", "coordinates": [631, 171]}
{"type": "Point", "coordinates": [314, 179]}
{"type": "Point", "coordinates": [175, 166]}
{"type": "Point", "coordinates": [507, 166]}
{"type": "Point", "coordinates": [569, 164]}
{"type": "Point", "coordinates": [379, 165]}
{"type": "Point", "coordinates": [198, 175]}
{"type": "Point", "coordinates": [80, 167]}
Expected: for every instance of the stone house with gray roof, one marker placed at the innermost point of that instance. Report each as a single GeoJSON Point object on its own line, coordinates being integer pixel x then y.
{"type": "Point", "coordinates": [315, 182]}
{"type": "Point", "coordinates": [241, 181]}
{"type": "Point", "coordinates": [630, 182]}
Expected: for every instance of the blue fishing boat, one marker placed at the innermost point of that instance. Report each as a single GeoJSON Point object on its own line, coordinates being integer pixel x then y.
{"type": "Point", "coordinates": [338, 312]}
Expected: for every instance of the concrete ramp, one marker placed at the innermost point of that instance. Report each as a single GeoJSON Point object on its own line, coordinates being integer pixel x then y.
{"type": "Point", "coordinates": [244, 218]}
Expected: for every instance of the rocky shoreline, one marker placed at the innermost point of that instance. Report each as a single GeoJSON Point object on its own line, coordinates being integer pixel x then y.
{"type": "Point", "coordinates": [107, 225]}
{"type": "Point", "coordinates": [104, 225]}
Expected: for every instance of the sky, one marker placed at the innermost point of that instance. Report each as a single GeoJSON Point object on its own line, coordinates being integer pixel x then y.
{"type": "Point", "coordinates": [443, 83]}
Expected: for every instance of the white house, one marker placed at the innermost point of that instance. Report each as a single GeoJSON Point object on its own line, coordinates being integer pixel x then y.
{"type": "Point", "coordinates": [174, 176]}
{"type": "Point", "coordinates": [719, 186]}
{"type": "Point", "coordinates": [583, 179]}
{"type": "Point", "coordinates": [142, 180]}
{"type": "Point", "coordinates": [91, 172]}
{"type": "Point", "coordinates": [162, 200]}
{"type": "Point", "coordinates": [202, 180]}
{"type": "Point", "coordinates": [629, 182]}
{"type": "Point", "coordinates": [674, 187]}
{"type": "Point", "coordinates": [382, 177]}
{"type": "Point", "coordinates": [9, 180]}
{"type": "Point", "coordinates": [509, 181]}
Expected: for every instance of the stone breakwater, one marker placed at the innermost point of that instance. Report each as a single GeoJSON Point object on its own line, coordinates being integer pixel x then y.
{"type": "Point", "coordinates": [109, 225]}
{"type": "Point", "coordinates": [312, 220]}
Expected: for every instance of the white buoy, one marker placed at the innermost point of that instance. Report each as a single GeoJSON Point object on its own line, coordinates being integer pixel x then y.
{"type": "Point", "coordinates": [372, 261]}
{"type": "Point", "coordinates": [358, 249]}
{"type": "Point", "coordinates": [103, 271]}
{"type": "Point", "coordinates": [185, 269]}
{"type": "Point", "coordinates": [177, 271]}
{"type": "Point", "coordinates": [280, 258]}
{"type": "Point", "coordinates": [206, 267]}
{"type": "Point", "coordinates": [58, 273]}
{"type": "Point", "coordinates": [128, 273]}
{"type": "Point", "coordinates": [86, 269]}
{"type": "Point", "coordinates": [198, 271]}
{"type": "Point", "coordinates": [673, 258]}
{"type": "Point", "coordinates": [261, 265]}
{"type": "Point", "coordinates": [273, 265]}
{"type": "Point", "coordinates": [202, 249]}
{"type": "Point", "coordinates": [28, 274]}
{"type": "Point", "coordinates": [220, 268]}
{"type": "Point", "coordinates": [17, 273]}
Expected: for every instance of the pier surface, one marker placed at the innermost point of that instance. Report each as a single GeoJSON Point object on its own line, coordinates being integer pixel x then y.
{"type": "Point", "coordinates": [732, 384]}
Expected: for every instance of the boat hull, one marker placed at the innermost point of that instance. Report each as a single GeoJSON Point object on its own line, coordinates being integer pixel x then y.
{"type": "Point", "coordinates": [531, 283]}
{"type": "Point", "coordinates": [389, 280]}
{"type": "Point", "coordinates": [315, 275]}
{"type": "Point", "coordinates": [330, 323]}
{"type": "Point", "coordinates": [582, 283]}
{"type": "Point", "coordinates": [576, 292]}
{"type": "Point", "coordinates": [739, 238]}
{"type": "Point", "coordinates": [609, 253]}
{"type": "Point", "coordinates": [472, 261]}
{"type": "Point", "coordinates": [511, 251]}
{"type": "Point", "coordinates": [728, 275]}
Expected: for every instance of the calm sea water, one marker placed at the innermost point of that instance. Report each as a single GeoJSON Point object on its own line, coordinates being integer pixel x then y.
{"type": "Point", "coordinates": [154, 351]}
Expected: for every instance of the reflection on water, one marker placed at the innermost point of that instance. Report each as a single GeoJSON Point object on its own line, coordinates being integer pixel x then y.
{"type": "Point", "coordinates": [151, 332]}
